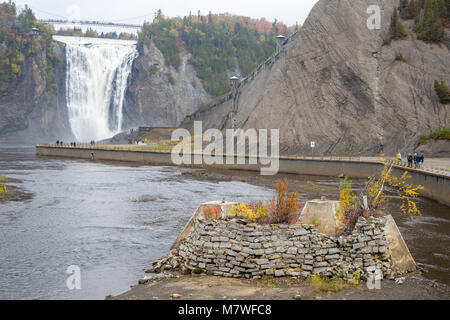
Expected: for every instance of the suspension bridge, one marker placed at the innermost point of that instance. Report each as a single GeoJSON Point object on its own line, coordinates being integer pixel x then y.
{"type": "Point", "coordinates": [91, 23]}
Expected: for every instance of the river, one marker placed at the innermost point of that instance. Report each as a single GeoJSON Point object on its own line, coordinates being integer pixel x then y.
{"type": "Point", "coordinates": [113, 219]}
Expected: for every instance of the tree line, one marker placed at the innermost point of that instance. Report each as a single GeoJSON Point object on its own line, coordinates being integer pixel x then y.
{"type": "Point", "coordinates": [17, 42]}
{"type": "Point", "coordinates": [431, 17]}
{"type": "Point", "coordinates": [218, 43]}
{"type": "Point", "coordinates": [91, 33]}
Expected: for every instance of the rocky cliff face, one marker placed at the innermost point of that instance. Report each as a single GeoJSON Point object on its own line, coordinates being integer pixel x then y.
{"type": "Point", "coordinates": [31, 113]}
{"type": "Point", "coordinates": [338, 85]}
{"type": "Point", "coordinates": [158, 95]}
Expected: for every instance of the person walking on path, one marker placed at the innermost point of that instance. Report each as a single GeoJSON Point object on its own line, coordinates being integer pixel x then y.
{"type": "Point", "coordinates": [416, 160]}
{"type": "Point", "coordinates": [422, 159]}
{"type": "Point", "coordinates": [410, 160]}
{"type": "Point", "coordinates": [399, 157]}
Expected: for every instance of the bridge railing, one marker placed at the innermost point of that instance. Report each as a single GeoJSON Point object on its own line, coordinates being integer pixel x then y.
{"type": "Point", "coordinates": [92, 23]}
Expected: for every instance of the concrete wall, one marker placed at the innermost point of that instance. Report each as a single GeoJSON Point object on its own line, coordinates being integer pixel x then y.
{"type": "Point", "coordinates": [437, 187]}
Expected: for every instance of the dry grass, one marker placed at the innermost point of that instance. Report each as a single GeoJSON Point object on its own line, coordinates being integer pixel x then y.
{"type": "Point", "coordinates": [285, 206]}
{"type": "Point", "coordinates": [319, 284]}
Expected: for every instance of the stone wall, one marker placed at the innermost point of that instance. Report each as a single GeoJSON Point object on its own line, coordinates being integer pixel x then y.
{"type": "Point", "coordinates": [232, 248]}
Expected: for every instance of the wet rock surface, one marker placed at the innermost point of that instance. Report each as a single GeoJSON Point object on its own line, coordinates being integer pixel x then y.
{"type": "Point", "coordinates": [337, 80]}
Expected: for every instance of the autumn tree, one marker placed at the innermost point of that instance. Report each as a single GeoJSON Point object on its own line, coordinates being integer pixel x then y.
{"type": "Point", "coordinates": [91, 33]}
{"type": "Point", "coordinates": [374, 196]}
{"type": "Point", "coordinates": [218, 43]}
{"type": "Point", "coordinates": [17, 45]}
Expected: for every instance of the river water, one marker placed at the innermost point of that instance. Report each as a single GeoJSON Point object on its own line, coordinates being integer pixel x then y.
{"type": "Point", "coordinates": [112, 220]}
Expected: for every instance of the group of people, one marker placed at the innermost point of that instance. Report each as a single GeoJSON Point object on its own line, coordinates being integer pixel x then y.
{"type": "Point", "coordinates": [61, 143]}
{"type": "Point", "coordinates": [414, 161]}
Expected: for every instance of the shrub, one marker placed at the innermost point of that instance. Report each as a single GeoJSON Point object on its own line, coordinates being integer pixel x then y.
{"type": "Point", "coordinates": [440, 134]}
{"type": "Point", "coordinates": [423, 139]}
{"type": "Point", "coordinates": [284, 206]}
{"type": "Point", "coordinates": [255, 211]}
{"type": "Point", "coordinates": [348, 211]}
{"type": "Point", "coordinates": [211, 212]}
{"type": "Point", "coordinates": [353, 206]}
{"type": "Point", "coordinates": [442, 91]}
{"type": "Point", "coordinates": [376, 190]}
{"type": "Point", "coordinates": [320, 284]}
{"type": "Point", "coordinates": [400, 57]}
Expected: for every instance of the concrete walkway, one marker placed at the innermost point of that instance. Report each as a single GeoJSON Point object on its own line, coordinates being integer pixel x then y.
{"type": "Point", "coordinates": [430, 163]}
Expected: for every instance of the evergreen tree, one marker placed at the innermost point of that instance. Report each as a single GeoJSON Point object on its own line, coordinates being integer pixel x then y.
{"type": "Point", "coordinates": [396, 30]}
{"type": "Point", "coordinates": [403, 8]}
{"type": "Point", "coordinates": [412, 10]}
{"type": "Point", "coordinates": [431, 28]}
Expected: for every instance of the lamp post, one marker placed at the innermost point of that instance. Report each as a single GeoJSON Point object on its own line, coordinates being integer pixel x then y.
{"type": "Point", "coordinates": [234, 85]}
{"type": "Point", "coordinates": [280, 40]}
{"type": "Point", "coordinates": [35, 32]}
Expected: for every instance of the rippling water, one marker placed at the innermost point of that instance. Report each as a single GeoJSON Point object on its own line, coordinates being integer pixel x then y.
{"type": "Point", "coordinates": [110, 220]}
{"type": "Point", "coordinates": [113, 220]}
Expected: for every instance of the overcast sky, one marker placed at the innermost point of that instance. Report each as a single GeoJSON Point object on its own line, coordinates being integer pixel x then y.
{"type": "Point", "coordinates": [136, 11]}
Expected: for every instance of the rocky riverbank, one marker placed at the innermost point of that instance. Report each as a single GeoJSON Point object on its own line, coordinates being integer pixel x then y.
{"type": "Point", "coordinates": [249, 261]}
{"type": "Point", "coordinates": [200, 287]}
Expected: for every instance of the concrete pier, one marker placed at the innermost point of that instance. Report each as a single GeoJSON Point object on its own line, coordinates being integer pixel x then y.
{"type": "Point", "coordinates": [437, 186]}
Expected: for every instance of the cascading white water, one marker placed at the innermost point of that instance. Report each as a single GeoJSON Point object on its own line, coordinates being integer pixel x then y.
{"type": "Point", "coordinates": [96, 82]}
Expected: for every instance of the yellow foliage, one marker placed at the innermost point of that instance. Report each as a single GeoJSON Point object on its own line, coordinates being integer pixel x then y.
{"type": "Point", "coordinates": [348, 199]}
{"type": "Point", "coordinates": [3, 189]}
{"type": "Point", "coordinates": [15, 69]}
{"type": "Point", "coordinates": [174, 33]}
{"type": "Point", "coordinates": [406, 191]}
{"type": "Point", "coordinates": [253, 212]}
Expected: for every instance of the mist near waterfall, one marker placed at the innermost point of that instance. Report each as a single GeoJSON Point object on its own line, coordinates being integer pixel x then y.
{"type": "Point", "coordinates": [96, 81]}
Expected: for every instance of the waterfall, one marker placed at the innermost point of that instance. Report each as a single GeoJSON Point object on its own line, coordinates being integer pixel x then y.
{"type": "Point", "coordinates": [96, 81]}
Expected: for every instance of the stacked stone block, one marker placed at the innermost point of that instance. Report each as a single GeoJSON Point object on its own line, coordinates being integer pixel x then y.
{"type": "Point", "coordinates": [233, 248]}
